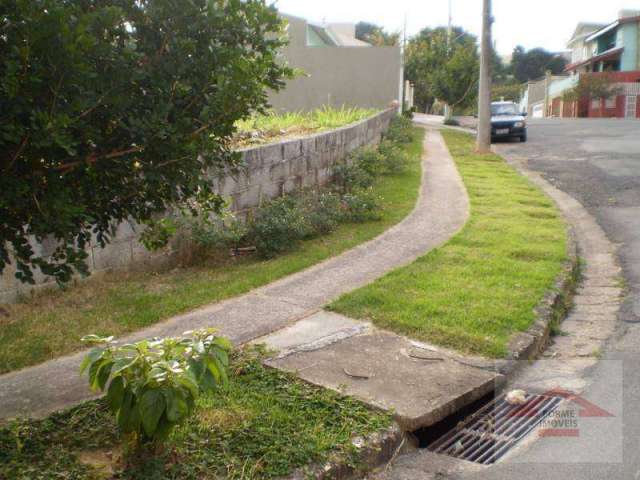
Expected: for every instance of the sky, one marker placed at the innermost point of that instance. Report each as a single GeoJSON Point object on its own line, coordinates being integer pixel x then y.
{"type": "Point", "coordinates": [530, 23]}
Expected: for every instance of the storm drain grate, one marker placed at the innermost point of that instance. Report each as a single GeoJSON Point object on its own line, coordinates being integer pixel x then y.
{"type": "Point", "coordinates": [485, 436]}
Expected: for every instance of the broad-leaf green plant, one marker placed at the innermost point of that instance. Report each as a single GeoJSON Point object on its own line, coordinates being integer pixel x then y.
{"type": "Point", "coordinates": [152, 385]}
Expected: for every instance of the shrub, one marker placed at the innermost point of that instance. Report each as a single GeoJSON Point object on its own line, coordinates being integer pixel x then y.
{"type": "Point", "coordinates": [359, 171]}
{"type": "Point", "coordinates": [347, 176]}
{"type": "Point", "coordinates": [320, 210]}
{"type": "Point", "coordinates": [361, 206]}
{"type": "Point", "coordinates": [278, 226]}
{"type": "Point", "coordinates": [399, 130]}
{"type": "Point", "coordinates": [112, 110]}
{"type": "Point", "coordinates": [452, 122]}
{"type": "Point", "coordinates": [394, 158]}
{"type": "Point", "coordinates": [408, 112]}
{"type": "Point", "coordinates": [152, 386]}
{"type": "Point", "coordinates": [225, 232]}
{"type": "Point", "coordinates": [369, 159]}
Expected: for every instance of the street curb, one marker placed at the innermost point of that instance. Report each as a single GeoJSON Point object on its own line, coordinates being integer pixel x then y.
{"type": "Point", "coordinates": [550, 312]}
{"type": "Point", "coordinates": [375, 450]}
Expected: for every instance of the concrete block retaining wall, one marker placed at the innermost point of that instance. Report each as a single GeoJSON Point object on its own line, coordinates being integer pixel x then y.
{"type": "Point", "coordinates": [269, 171]}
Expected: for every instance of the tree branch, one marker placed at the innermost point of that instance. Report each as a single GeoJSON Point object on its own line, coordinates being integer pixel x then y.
{"type": "Point", "coordinates": [95, 158]}
{"type": "Point", "coordinates": [19, 151]}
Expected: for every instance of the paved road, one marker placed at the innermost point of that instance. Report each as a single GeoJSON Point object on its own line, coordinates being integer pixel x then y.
{"type": "Point", "coordinates": [598, 163]}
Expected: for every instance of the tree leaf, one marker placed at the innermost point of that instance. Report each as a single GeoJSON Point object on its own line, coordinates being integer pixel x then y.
{"type": "Point", "coordinates": [177, 408]}
{"type": "Point", "coordinates": [93, 355]}
{"type": "Point", "coordinates": [151, 407]}
{"type": "Point", "coordinates": [123, 363]}
{"type": "Point", "coordinates": [115, 394]}
{"type": "Point", "coordinates": [124, 413]}
{"type": "Point", "coordinates": [103, 374]}
{"type": "Point", "coordinates": [223, 343]}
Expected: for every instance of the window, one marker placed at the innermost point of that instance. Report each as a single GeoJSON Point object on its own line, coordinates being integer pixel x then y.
{"type": "Point", "coordinates": [610, 102]}
{"type": "Point", "coordinates": [595, 104]}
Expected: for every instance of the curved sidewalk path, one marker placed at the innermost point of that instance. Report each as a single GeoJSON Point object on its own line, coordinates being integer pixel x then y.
{"type": "Point", "coordinates": [441, 210]}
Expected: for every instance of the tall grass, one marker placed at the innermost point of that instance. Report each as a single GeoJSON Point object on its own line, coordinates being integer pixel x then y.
{"type": "Point", "coordinates": [259, 128]}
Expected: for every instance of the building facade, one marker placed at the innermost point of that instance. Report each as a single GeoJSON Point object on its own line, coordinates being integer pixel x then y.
{"type": "Point", "coordinates": [597, 50]}
{"type": "Point", "coordinates": [614, 47]}
{"type": "Point", "coordinates": [337, 69]}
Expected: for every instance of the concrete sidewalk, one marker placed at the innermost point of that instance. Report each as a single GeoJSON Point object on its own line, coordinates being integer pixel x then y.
{"type": "Point", "coordinates": [441, 210]}
{"type": "Point", "coordinates": [466, 123]}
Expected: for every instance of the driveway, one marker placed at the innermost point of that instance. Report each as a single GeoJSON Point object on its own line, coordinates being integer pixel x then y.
{"type": "Point", "coordinates": [598, 163]}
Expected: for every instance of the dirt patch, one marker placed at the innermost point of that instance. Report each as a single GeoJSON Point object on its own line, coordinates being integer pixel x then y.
{"type": "Point", "coordinates": [104, 462]}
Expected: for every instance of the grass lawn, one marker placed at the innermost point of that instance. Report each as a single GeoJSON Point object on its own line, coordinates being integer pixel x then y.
{"type": "Point", "coordinates": [51, 324]}
{"type": "Point", "coordinates": [264, 424]}
{"type": "Point", "coordinates": [474, 292]}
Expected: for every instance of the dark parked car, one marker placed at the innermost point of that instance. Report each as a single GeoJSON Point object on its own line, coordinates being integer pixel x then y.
{"type": "Point", "coordinates": [507, 121]}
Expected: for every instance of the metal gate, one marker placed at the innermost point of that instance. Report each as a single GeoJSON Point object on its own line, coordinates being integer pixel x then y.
{"type": "Point", "coordinates": [631, 106]}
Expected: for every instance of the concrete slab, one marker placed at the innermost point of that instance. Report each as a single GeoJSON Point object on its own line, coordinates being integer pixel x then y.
{"type": "Point", "coordinates": [386, 371]}
{"type": "Point", "coordinates": [313, 332]}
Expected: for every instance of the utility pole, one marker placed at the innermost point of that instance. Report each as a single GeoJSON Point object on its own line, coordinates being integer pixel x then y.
{"type": "Point", "coordinates": [483, 141]}
{"type": "Point", "coordinates": [447, 109]}
{"type": "Point", "coordinates": [449, 27]}
{"type": "Point", "coordinates": [403, 59]}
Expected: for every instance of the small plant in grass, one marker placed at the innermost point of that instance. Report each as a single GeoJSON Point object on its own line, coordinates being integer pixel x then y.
{"type": "Point", "coordinates": [152, 385]}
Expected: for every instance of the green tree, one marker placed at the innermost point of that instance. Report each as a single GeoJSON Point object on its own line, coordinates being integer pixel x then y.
{"type": "Point", "coordinates": [376, 35]}
{"type": "Point", "coordinates": [443, 70]}
{"type": "Point", "coordinates": [115, 110]}
{"type": "Point", "coordinates": [508, 92]}
{"type": "Point", "coordinates": [532, 64]}
{"type": "Point", "coordinates": [500, 72]}
{"type": "Point", "coordinates": [595, 86]}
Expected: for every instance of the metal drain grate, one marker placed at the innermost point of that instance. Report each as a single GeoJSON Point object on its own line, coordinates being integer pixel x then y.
{"type": "Point", "coordinates": [492, 431]}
